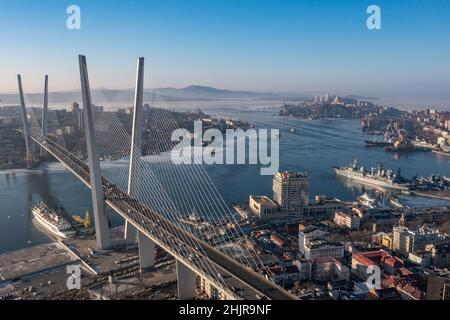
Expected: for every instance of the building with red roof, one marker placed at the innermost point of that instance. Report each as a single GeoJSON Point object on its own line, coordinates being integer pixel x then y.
{"type": "Point", "coordinates": [361, 261]}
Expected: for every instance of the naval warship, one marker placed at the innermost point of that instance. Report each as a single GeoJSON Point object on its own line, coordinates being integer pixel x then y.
{"type": "Point", "coordinates": [378, 176]}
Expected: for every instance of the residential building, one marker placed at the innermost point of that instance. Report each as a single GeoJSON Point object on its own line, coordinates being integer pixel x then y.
{"type": "Point", "coordinates": [362, 261]}
{"type": "Point", "coordinates": [387, 241]}
{"type": "Point", "coordinates": [347, 220]}
{"type": "Point", "coordinates": [329, 269]}
{"type": "Point", "coordinates": [438, 286]}
{"type": "Point", "coordinates": [323, 269]}
{"type": "Point", "coordinates": [324, 206]}
{"type": "Point", "coordinates": [263, 207]}
{"type": "Point", "coordinates": [287, 275]}
{"type": "Point", "coordinates": [320, 248]}
{"type": "Point", "coordinates": [309, 233]}
{"type": "Point", "coordinates": [383, 239]}
{"type": "Point", "coordinates": [362, 213]}
{"type": "Point", "coordinates": [440, 255]}
{"type": "Point", "coordinates": [406, 241]}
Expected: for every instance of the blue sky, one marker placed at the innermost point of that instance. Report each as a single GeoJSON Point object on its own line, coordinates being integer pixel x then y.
{"type": "Point", "coordinates": [283, 46]}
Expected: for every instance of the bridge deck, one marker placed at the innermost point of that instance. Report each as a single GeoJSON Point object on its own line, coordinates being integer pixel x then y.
{"type": "Point", "coordinates": [245, 283]}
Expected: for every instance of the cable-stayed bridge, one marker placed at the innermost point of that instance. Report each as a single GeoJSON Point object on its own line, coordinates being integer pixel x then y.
{"type": "Point", "coordinates": [154, 196]}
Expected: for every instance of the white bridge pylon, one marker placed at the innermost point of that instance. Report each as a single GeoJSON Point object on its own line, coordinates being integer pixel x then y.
{"type": "Point", "coordinates": [146, 246]}
{"type": "Point", "coordinates": [98, 202]}
{"type": "Point", "coordinates": [26, 125]}
{"type": "Point", "coordinates": [154, 224]}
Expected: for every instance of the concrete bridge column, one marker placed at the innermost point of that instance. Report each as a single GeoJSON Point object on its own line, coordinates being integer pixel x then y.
{"type": "Point", "coordinates": [147, 251]}
{"type": "Point", "coordinates": [186, 282]}
{"type": "Point", "coordinates": [130, 232]}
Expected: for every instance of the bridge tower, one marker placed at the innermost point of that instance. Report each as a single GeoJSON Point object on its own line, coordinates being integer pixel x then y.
{"type": "Point", "coordinates": [146, 245]}
{"type": "Point", "coordinates": [100, 218]}
{"type": "Point", "coordinates": [26, 126]}
{"type": "Point", "coordinates": [186, 282]}
{"type": "Point", "coordinates": [44, 113]}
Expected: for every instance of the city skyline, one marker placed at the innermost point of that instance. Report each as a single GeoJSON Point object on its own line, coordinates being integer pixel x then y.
{"type": "Point", "coordinates": [233, 45]}
{"type": "Point", "coordinates": [257, 151]}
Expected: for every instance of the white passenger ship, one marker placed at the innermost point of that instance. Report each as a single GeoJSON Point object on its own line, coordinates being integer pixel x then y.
{"type": "Point", "coordinates": [52, 221]}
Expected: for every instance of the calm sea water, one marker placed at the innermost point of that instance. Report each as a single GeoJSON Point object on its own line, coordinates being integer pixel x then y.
{"type": "Point", "coordinates": [314, 147]}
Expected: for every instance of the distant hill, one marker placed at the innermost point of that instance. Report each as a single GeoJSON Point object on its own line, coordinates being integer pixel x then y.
{"type": "Point", "coordinates": [206, 92]}
{"type": "Point", "coordinates": [194, 92]}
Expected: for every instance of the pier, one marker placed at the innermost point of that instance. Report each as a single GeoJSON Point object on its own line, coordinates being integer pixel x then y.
{"type": "Point", "coordinates": [40, 272]}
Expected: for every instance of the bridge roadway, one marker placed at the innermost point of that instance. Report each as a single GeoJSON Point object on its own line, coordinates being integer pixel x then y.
{"type": "Point", "coordinates": [238, 281]}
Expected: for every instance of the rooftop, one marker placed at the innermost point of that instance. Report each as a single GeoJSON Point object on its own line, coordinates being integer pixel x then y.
{"type": "Point", "coordinates": [376, 257]}
{"type": "Point", "coordinates": [264, 200]}
{"type": "Point", "coordinates": [326, 260]}
{"type": "Point", "coordinates": [319, 243]}
{"type": "Point", "coordinates": [312, 228]}
{"type": "Point", "coordinates": [287, 270]}
{"type": "Point", "coordinates": [290, 175]}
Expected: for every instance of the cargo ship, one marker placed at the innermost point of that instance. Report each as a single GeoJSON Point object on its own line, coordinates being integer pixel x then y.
{"type": "Point", "coordinates": [378, 176]}
{"type": "Point", "coordinates": [52, 221]}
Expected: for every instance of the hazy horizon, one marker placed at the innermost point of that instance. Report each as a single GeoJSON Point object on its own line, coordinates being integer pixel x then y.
{"type": "Point", "coordinates": [292, 47]}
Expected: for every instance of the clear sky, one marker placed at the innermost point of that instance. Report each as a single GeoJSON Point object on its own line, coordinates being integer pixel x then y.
{"type": "Point", "coordinates": [282, 46]}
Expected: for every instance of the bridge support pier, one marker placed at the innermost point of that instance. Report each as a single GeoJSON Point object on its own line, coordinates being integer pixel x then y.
{"type": "Point", "coordinates": [98, 202]}
{"type": "Point", "coordinates": [147, 251]}
{"type": "Point", "coordinates": [186, 282]}
{"type": "Point", "coordinates": [130, 232]}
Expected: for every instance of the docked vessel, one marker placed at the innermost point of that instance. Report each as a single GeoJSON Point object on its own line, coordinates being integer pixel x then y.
{"type": "Point", "coordinates": [440, 151]}
{"type": "Point", "coordinates": [378, 176]}
{"type": "Point", "coordinates": [375, 143]}
{"type": "Point", "coordinates": [396, 203]}
{"type": "Point", "coordinates": [367, 201]}
{"type": "Point", "coordinates": [52, 221]}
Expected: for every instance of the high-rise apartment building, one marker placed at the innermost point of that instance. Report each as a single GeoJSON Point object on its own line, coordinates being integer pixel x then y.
{"type": "Point", "coordinates": [291, 191]}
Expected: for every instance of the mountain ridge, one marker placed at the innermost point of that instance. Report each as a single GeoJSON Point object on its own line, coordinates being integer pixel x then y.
{"type": "Point", "coordinates": [189, 93]}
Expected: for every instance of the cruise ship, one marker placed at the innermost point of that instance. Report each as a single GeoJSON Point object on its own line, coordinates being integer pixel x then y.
{"type": "Point", "coordinates": [52, 221]}
{"type": "Point", "coordinates": [378, 176]}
